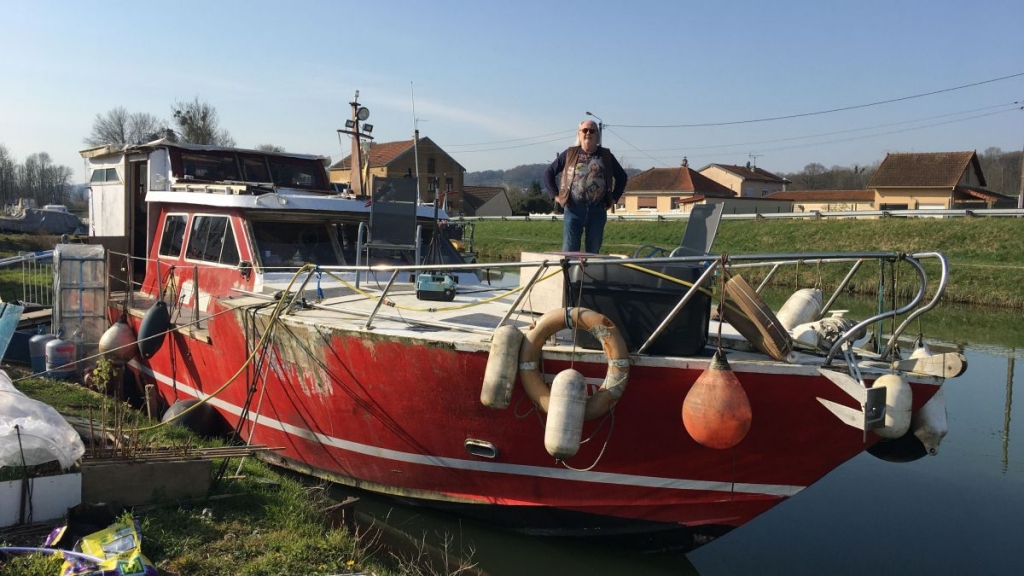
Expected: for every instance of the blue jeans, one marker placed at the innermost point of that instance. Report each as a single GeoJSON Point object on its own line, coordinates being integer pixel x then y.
{"type": "Point", "coordinates": [580, 217]}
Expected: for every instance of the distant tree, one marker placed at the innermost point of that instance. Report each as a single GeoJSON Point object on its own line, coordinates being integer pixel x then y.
{"type": "Point", "coordinates": [516, 197]}
{"type": "Point", "coordinates": [1001, 170]}
{"type": "Point", "coordinates": [120, 127]}
{"type": "Point", "coordinates": [198, 123]}
{"type": "Point", "coordinates": [537, 205]}
{"type": "Point", "coordinates": [8, 176]}
{"type": "Point", "coordinates": [270, 148]}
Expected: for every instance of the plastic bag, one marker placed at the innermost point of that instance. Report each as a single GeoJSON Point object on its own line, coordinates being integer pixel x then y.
{"type": "Point", "coordinates": [44, 434]}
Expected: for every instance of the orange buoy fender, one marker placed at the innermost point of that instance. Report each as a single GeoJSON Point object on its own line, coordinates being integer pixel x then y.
{"type": "Point", "coordinates": [716, 411]}
{"type": "Point", "coordinates": [153, 329]}
{"type": "Point", "coordinates": [118, 343]}
{"type": "Point", "coordinates": [564, 427]}
{"type": "Point", "coordinates": [502, 362]}
{"type": "Point", "coordinates": [599, 327]}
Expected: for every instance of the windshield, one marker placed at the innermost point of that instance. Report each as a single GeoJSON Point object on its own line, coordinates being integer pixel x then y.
{"type": "Point", "coordinates": [291, 244]}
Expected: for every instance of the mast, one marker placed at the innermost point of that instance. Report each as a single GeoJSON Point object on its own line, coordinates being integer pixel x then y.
{"type": "Point", "coordinates": [359, 114]}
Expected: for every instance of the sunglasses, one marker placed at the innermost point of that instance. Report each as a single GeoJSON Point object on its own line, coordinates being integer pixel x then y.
{"type": "Point", "coordinates": [588, 130]}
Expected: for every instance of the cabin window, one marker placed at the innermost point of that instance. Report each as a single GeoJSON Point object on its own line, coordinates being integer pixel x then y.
{"type": "Point", "coordinates": [297, 174]}
{"type": "Point", "coordinates": [209, 167]}
{"type": "Point", "coordinates": [212, 240]}
{"type": "Point", "coordinates": [174, 233]}
{"type": "Point", "coordinates": [295, 243]}
{"type": "Point", "coordinates": [256, 170]}
{"type": "Point", "coordinates": [647, 202]}
{"type": "Point", "coordinates": [104, 175]}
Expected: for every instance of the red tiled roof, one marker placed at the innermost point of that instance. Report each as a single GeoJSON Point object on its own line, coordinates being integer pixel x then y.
{"type": "Point", "coordinates": [752, 173]}
{"type": "Point", "coordinates": [681, 179]}
{"type": "Point", "coordinates": [824, 195]}
{"type": "Point", "coordinates": [924, 169]}
{"type": "Point", "coordinates": [381, 154]}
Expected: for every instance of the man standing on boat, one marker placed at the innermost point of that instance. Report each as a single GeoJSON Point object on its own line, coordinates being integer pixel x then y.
{"type": "Point", "coordinates": [592, 182]}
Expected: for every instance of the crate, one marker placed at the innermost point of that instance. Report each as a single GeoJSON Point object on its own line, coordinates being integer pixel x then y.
{"type": "Point", "coordinates": [637, 302]}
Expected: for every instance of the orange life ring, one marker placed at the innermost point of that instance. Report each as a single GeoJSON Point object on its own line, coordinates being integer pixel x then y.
{"type": "Point", "coordinates": [598, 326]}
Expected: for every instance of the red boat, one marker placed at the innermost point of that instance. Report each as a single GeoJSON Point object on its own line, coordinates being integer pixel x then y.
{"type": "Point", "coordinates": [590, 399]}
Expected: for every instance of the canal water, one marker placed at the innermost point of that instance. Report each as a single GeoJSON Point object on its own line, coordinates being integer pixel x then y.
{"type": "Point", "coordinates": [960, 512]}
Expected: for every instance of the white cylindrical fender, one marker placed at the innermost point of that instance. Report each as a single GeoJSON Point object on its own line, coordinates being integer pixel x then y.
{"type": "Point", "coordinates": [502, 367]}
{"type": "Point", "coordinates": [898, 406]}
{"type": "Point", "coordinates": [564, 428]}
{"type": "Point", "coordinates": [803, 306]}
{"type": "Point", "coordinates": [929, 423]}
{"type": "Point", "coordinates": [921, 349]}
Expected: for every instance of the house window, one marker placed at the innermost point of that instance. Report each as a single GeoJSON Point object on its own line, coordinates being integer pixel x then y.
{"type": "Point", "coordinates": [431, 165]}
{"type": "Point", "coordinates": [212, 240]}
{"type": "Point", "coordinates": [647, 202]}
{"type": "Point", "coordinates": [893, 207]}
{"type": "Point", "coordinates": [174, 233]}
{"type": "Point", "coordinates": [676, 201]}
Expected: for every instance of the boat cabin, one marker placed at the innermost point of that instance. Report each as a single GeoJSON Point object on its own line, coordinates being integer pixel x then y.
{"type": "Point", "coordinates": [233, 219]}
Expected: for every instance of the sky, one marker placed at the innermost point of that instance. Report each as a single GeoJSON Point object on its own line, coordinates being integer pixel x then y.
{"type": "Point", "coordinates": [781, 84]}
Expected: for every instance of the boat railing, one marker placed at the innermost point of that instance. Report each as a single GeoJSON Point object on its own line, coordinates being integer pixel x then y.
{"type": "Point", "coordinates": [713, 265]}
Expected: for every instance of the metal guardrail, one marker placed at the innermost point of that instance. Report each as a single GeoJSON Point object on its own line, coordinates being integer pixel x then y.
{"type": "Point", "coordinates": [36, 275]}
{"type": "Point", "coordinates": [812, 215]}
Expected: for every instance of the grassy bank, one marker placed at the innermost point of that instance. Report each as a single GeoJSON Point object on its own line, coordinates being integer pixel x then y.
{"type": "Point", "coordinates": [986, 254]}
{"type": "Point", "coordinates": [261, 522]}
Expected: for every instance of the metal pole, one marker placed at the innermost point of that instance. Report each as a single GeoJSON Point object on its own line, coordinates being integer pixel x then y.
{"type": "Point", "coordinates": [357, 156]}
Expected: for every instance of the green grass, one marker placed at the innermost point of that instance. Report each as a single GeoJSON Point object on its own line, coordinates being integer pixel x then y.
{"type": "Point", "coordinates": [986, 254]}
{"type": "Point", "coordinates": [275, 524]}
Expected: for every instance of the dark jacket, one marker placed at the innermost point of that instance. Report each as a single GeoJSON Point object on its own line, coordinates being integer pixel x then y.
{"type": "Point", "coordinates": [565, 164]}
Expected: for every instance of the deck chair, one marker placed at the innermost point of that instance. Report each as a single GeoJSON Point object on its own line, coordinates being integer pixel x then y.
{"type": "Point", "coordinates": [699, 236]}
{"type": "Point", "coordinates": [392, 224]}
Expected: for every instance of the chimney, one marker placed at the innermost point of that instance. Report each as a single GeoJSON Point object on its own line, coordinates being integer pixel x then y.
{"type": "Point", "coordinates": [686, 163]}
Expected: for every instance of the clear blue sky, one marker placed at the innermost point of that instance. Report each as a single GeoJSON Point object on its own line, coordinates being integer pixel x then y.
{"type": "Point", "coordinates": [503, 84]}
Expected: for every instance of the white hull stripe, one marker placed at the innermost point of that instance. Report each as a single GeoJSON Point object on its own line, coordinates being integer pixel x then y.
{"type": "Point", "coordinates": [480, 466]}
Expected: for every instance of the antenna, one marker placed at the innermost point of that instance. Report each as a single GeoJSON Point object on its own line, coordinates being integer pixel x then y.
{"type": "Point", "coordinates": [753, 159]}
{"type": "Point", "coordinates": [415, 139]}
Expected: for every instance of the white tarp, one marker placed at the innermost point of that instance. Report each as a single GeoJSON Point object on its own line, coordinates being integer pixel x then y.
{"type": "Point", "coordinates": [44, 434]}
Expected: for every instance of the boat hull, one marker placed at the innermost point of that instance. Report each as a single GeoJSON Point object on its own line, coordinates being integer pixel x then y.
{"type": "Point", "coordinates": [393, 414]}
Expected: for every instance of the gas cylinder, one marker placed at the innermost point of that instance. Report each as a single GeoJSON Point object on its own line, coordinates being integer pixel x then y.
{"type": "Point", "coordinates": [60, 359]}
{"type": "Point", "coordinates": [716, 411]}
{"type": "Point", "coordinates": [37, 350]}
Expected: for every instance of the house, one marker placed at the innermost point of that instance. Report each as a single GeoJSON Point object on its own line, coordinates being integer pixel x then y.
{"type": "Point", "coordinates": [439, 172]}
{"type": "Point", "coordinates": [746, 181]}
{"type": "Point", "coordinates": [933, 180]}
{"type": "Point", "coordinates": [485, 201]}
{"type": "Point", "coordinates": [827, 200]}
{"type": "Point", "coordinates": [669, 190]}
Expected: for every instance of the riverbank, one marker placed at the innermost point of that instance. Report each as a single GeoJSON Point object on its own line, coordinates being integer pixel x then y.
{"type": "Point", "coordinates": [261, 520]}
{"type": "Point", "coordinates": [986, 254]}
